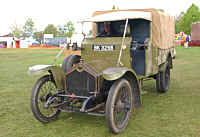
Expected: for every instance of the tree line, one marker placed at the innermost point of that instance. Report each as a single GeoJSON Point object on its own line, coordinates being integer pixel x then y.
{"type": "Point", "coordinates": [184, 20]}
{"type": "Point", "coordinates": [29, 30]}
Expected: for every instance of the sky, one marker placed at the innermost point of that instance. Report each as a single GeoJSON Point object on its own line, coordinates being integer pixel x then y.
{"type": "Point", "coordinates": [58, 12]}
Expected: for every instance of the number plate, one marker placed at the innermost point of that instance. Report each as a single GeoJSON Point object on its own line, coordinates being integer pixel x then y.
{"type": "Point", "coordinates": [103, 47]}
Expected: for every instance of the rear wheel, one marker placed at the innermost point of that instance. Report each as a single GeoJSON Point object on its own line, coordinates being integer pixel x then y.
{"type": "Point", "coordinates": [163, 80]}
{"type": "Point", "coordinates": [43, 90]}
{"type": "Point", "coordinates": [119, 106]}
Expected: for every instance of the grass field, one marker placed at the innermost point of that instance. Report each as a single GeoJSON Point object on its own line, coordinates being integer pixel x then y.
{"type": "Point", "coordinates": [174, 114]}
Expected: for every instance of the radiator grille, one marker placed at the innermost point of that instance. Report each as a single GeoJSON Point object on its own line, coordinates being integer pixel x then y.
{"type": "Point", "coordinates": [80, 83]}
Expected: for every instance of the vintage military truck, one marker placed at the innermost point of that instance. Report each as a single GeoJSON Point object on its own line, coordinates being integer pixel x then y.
{"type": "Point", "coordinates": [127, 47]}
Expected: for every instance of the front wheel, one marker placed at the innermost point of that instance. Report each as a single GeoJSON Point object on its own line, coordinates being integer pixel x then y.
{"type": "Point", "coordinates": [43, 90]}
{"type": "Point", "coordinates": [119, 106]}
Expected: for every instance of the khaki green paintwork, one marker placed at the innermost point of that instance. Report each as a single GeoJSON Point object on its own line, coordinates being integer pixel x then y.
{"type": "Point", "coordinates": [57, 72]}
{"type": "Point", "coordinates": [113, 76]}
{"type": "Point", "coordinates": [59, 76]}
{"type": "Point", "coordinates": [101, 60]}
{"type": "Point", "coordinates": [115, 73]}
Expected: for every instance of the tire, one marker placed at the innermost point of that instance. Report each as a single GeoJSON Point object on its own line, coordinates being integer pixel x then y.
{"type": "Point", "coordinates": [37, 101]}
{"type": "Point", "coordinates": [115, 103]}
{"type": "Point", "coordinates": [163, 80]}
{"type": "Point", "coordinates": [70, 61]}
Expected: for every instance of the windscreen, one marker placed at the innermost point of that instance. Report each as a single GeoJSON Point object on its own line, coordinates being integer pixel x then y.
{"type": "Point", "coordinates": [112, 29]}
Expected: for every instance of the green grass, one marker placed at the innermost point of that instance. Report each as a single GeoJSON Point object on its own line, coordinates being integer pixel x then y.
{"type": "Point", "coordinates": [174, 114]}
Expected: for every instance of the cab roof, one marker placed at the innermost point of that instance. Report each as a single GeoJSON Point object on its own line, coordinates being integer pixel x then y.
{"type": "Point", "coordinates": [163, 25]}
{"type": "Point", "coordinates": [120, 15]}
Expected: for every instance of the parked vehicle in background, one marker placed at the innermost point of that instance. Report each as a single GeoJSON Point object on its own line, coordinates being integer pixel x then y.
{"type": "Point", "coordinates": [57, 41]}
{"type": "Point", "coordinates": [35, 43]}
{"type": "Point", "coordinates": [127, 48]}
{"type": "Point", "coordinates": [195, 34]}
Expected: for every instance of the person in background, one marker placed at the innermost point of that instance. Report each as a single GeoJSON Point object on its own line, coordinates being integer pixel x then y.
{"type": "Point", "coordinates": [187, 41]}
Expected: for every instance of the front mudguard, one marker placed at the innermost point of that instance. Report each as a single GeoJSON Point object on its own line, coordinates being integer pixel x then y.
{"type": "Point", "coordinates": [116, 73]}
{"type": "Point", "coordinates": [111, 74]}
{"type": "Point", "coordinates": [56, 71]}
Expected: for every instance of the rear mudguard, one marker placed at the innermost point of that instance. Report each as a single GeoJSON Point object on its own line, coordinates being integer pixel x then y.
{"type": "Point", "coordinates": [56, 71]}
{"type": "Point", "coordinates": [112, 74]}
